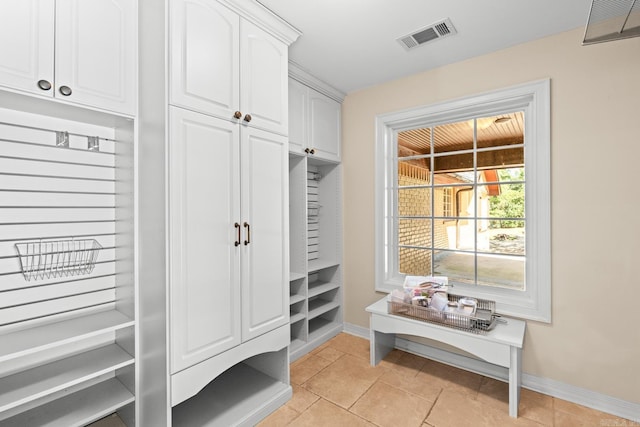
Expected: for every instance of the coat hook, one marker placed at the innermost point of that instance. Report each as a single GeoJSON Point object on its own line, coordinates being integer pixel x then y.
{"type": "Point", "coordinates": [93, 143]}
{"type": "Point", "coordinates": [62, 139]}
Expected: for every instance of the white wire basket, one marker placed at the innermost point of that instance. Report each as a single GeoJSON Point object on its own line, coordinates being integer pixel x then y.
{"type": "Point", "coordinates": [44, 259]}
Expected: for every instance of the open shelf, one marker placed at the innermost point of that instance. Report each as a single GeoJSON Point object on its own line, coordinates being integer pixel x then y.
{"type": "Point", "coordinates": [296, 317]}
{"type": "Point", "coordinates": [41, 338]}
{"type": "Point", "coordinates": [320, 328]}
{"type": "Point", "coordinates": [321, 264]}
{"type": "Point", "coordinates": [239, 396]}
{"type": "Point", "coordinates": [296, 276]}
{"type": "Point", "coordinates": [33, 384]}
{"type": "Point", "coordinates": [76, 409]}
{"type": "Point", "coordinates": [320, 287]}
{"type": "Point", "coordinates": [319, 306]}
{"type": "Point", "coordinates": [294, 299]}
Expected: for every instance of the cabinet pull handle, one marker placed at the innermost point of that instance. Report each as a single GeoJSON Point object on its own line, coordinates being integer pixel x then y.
{"type": "Point", "coordinates": [313, 151]}
{"type": "Point", "coordinates": [248, 227]}
{"type": "Point", "coordinates": [237, 114]}
{"type": "Point", "coordinates": [44, 84]}
{"type": "Point", "coordinates": [237, 242]}
{"type": "Point", "coordinates": [65, 90]}
{"type": "Point", "coordinates": [247, 118]}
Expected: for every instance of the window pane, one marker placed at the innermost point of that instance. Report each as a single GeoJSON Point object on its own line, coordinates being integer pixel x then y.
{"type": "Point", "coordinates": [503, 129]}
{"type": "Point", "coordinates": [455, 235]}
{"type": "Point", "coordinates": [501, 270]}
{"type": "Point", "coordinates": [414, 202]}
{"type": "Point", "coordinates": [453, 164]}
{"type": "Point", "coordinates": [459, 267]}
{"type": "Point", "coordinates": [513, 174]}
{"type": "Point", "coordinates": [414, 172]}
{"type": "Point", "coordinates": [493, 159]}
{"type": "Point", "coordinates": [453, 137]}
{"type": "Point", "coordinates": [414, 142]}
{"type": "Point", "coordinates": [415, 262]}
{"type": "Point", "coordinates": [414, 232]}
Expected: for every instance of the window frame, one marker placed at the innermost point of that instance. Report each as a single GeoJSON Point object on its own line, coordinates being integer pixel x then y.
{"type": "Point", "coordinates": [534, 99]}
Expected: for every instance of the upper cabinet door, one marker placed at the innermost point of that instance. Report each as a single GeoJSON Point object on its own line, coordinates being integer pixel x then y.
{"type": "Point", "coordinates": [26, 50]}
{"type": "Point", "coordinates": [204, 57]}
{"type": "Point", "coordinates": [263, 79]}
{"type": "Point", "coordinates": [96, 53]}
{"type": "Point", "coordinates": [324, 132]}
{"type": "Point", "coordinates": [204, 259]}
{"type": "Point", "coordinates": [298, 116]}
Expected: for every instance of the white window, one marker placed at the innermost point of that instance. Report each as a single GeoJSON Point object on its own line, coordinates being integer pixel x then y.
{"type": "Point", "coordinates": [462, 190]}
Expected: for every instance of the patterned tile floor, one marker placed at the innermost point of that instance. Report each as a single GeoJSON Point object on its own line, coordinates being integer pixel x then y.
{"type": "Point", "coordinates": [334, 385]}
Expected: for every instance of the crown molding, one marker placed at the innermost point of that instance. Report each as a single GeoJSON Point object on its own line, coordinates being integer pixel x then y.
{"type": "Point", "coordinates": [264, 18]}
{"type": "Point", "coordinates": [305, 77]}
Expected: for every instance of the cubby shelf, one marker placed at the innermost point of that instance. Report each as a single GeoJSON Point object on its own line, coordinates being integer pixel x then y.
{"type": "Point", "coordinates": [42, 338]}
{"type": "Point", "coordinates": [76, 409]}
{"type": "Point", "coordinates": [33, 384]}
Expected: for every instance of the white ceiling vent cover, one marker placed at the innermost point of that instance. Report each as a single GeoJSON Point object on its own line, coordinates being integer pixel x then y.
{"type": "Point", "coordinates": [427, 34]}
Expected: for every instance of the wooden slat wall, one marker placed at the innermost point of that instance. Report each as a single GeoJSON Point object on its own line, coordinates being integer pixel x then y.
{"type": "Point", "coordinates": [49, 192]}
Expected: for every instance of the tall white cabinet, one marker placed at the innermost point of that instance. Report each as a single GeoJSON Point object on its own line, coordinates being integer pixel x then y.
{"type": "Point", "coordinates": [68, 321]}
{"type": "Point", "coordinates": [228, 212]}
{"type": "Point", "coordinates": [315, 185]}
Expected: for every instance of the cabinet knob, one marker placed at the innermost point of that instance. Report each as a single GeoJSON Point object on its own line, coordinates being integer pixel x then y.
{"type": "Point", "coordinates": [44, 84]}
{"type": "Point", "coordinates": [65, 90]}
{"type": "Point", "coordinates": [306, 150]}
{"type": "Point", "coordinates": [237, 114]}
{"type": "Point", "coordinates": [247, 118]}
{"type": "Point", "coordinates": [313, 151]}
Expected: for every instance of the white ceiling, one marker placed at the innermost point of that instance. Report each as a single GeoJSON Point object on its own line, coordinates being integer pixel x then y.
{"type": "Point", "coordinates": [351, 44]}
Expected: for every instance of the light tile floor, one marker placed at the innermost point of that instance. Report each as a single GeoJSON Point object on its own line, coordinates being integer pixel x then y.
{"type": "Point", "coordinates": [335, 385]}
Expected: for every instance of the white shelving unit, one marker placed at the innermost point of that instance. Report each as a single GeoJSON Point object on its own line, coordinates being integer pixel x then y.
{"type": "Point", "coordinates": [67, 352]}
{"type": "Point", "coordinates": [315, 212]}
{"type": "Point", "coordinates": [316, 252]}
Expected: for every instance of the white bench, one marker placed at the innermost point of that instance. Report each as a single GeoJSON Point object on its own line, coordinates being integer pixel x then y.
{"type": "Point", "coordinates": [501, 346]}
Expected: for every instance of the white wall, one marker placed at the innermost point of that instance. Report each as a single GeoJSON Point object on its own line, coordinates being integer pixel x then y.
{"type": "Point", "coordinates": [593, 341]}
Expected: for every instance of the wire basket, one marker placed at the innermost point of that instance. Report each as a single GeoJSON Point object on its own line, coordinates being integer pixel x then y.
{"type": "Point", "coordinates": [480, 323]}
{"type": "Point", "coordinates": [44, 259]}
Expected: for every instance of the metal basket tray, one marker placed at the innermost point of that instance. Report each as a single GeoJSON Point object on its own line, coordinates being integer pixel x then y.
{"type": "Point", "coordinates": [481, 322]}
{"type": "Point", "coordinates": [44, 259]}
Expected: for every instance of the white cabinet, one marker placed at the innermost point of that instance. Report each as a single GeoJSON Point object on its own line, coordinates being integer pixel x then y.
{"type": "Point", "coordinates": [228, 246]}
{"type": "Point", "coordinates": [74, 50]}
{"type": "Point", "coordinates": [314, 122]}
{"type": "Point", "coordinates": [226, 66]}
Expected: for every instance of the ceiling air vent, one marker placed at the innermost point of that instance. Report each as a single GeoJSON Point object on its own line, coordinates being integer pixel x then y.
{"type": "Point", "coordinates": [612, 20]}
{"type": "Point", "coordinates": [427, 34]}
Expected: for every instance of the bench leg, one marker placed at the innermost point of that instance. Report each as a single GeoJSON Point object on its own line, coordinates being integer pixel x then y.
{"type": "Point", "coordinates": [515, 379]}
{"type": "Point", "coordinates": [380, 345]}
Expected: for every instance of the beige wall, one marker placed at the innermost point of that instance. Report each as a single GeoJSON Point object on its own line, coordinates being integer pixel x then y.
{"type": "Point", "coordinates": [594, 339]}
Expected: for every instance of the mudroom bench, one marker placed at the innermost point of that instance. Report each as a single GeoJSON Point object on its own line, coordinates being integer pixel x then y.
{"type": "Point", "coordinates": [501, 346]}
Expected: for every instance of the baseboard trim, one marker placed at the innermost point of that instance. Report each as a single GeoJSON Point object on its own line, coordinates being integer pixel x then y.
{"type": "Point", "coordinates": [568, 392]}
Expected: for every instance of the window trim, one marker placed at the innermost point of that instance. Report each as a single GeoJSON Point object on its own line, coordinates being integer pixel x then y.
{"type": "Point", "coordinates": [534, 99]}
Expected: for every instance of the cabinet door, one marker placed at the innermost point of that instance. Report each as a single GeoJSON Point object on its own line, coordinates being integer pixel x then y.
{"type": "Point", "coordinates": [26, 50]}
{"type": "Point", "coordinates": [204, 188]}
{"type": "Point", "coordinates": [298, 116]}
{"type": "Point", "coordinates": [95, 53]}
{"type": "Point", "coordinates": [204, 62]}
{"type": "Point", "coordinates": [265, 209]}
{"type": "Point", "coordinates": [324, 132]}
{"type": "Point", "coordinates": [264, 79]}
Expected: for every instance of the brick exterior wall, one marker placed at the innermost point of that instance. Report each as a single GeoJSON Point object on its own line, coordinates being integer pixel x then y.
{"type": "Point", "coordinates": [415, 202]}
